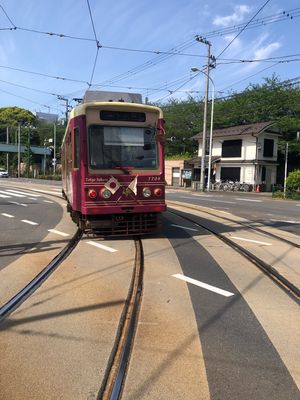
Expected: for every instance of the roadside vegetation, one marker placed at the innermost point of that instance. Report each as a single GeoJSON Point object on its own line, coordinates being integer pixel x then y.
{"type": "Point", "coordinates": [273, 100]}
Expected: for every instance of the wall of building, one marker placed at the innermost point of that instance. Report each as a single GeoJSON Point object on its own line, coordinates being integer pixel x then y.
{"type": "Point", "coordinates": [171, 168]}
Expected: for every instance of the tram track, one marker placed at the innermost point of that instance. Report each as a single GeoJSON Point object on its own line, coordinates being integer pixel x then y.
{"type": "Point", "coordinates": [39, 279]}
{"type": "Point", "coordinates": [284, 283]}
{"type": "Point", "coordinates": [112, 385]}
{"type": "Point", "coordinates": [243, 224]}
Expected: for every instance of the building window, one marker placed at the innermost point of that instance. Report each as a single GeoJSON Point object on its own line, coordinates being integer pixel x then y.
{"type": "Point", "coordinates": [231, 148]}
{"type": "Point", "coordinates": [268, 147]}
{"type": "Point", "coordinates": [230, 174]}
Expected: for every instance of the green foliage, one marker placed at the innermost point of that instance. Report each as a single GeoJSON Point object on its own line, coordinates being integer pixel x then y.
{"type": "Point", "coordinates": [272, 100]}
{"type": "Point", "coordinates": [180, 156]}
{"type": "Point", "coordinates": [293, 180]}
{"type": "Point", "coordinates": [12, 116]}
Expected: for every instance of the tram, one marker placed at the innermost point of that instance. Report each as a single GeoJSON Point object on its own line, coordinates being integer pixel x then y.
{"type": "Point", "coordinates": [113, 165]}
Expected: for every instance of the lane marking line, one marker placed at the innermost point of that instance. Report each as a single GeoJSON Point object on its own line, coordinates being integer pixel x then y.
{"type": "Point", "coordinates": [48, 201]}
{"type": "Point", "coordinates": [250, 240]}
{"type": "Point", "coordinates": [25, 193]}
{"type": "Point", "coordinates": [7, 215]}
{"type": "Point", "coordinates": [102, 246]}
{"type": "Point", "coordinates": [256, 201]}
{"type": "Point", "coordinates": [185, 227]}
{"type": "Point", "coordinates": [58, 232]}
{"type": "Point", "coordinates": [29, 222]}
{"type": "Point", "coordinates": [45, 191]}
{"type": "Point", "coordinates": [203, 285]}
{"type": "Point", "coordinates": [282, 220]}
{"type": "Point", "coordinates": [4, 196]}
{"type": "Point", "coordinates": [32, 198]}
{"type": "Point", "coordinates": [216, 201]}
{"type": "Point", "coordinates": [12, 194]}
{"type": "Point", "coordinates": [18, 204]}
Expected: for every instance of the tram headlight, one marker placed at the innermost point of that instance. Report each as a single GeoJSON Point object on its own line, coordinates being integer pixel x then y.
{"type": "Point", "coordinates": [105, 193]}
{"type": "Point", "coordinates": [146, 192]}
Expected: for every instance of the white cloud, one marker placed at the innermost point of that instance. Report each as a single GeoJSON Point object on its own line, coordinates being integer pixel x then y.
{"type": "Point", "coordinates": [266, 51]}
{"type": "Point", "coordinates": [236, 17]}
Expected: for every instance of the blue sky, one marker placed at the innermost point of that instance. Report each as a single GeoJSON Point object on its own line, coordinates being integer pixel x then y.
{"type": "Point", "coordinates": [159, 25]}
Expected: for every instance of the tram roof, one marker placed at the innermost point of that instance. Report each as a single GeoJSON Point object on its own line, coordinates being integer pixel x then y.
{"type": "Point", "coordinates": [81, 108]}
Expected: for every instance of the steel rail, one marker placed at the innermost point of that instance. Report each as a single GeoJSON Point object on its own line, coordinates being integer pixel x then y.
{"type": "Point", "coordinates": [37, 281]}
{"type": "Point", "coordinates": [113, 382]}
{"type": "Point", "coordinates": [244, 224]}
{"type": "Point", "coordinates": [270, 271]}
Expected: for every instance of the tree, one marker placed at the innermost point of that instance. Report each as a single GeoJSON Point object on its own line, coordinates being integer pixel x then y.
{"type": "Point", "coordinates": [12, 116]}
{"type": "Point", "coordinates": [293, 180]}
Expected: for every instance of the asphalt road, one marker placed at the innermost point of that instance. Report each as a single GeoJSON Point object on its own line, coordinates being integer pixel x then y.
{"type": "Point", "coordinates": [25, 219]}
{"type": "Point", "coordinates": [240, 358]}
{"type": "Point", "coordinates": [237, 339]}
{"type": "Point", "coordinates": [260, 207]}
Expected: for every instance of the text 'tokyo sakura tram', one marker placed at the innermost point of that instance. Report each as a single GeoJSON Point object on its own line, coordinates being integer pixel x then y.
{"type": "Point", "coordinates": [113, 165]}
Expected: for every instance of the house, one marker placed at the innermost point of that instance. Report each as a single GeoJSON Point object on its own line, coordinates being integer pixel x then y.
{"type": "Point", "coordinates": [244, 153]}
{"type": "Point", "coordinates": [178, 173]}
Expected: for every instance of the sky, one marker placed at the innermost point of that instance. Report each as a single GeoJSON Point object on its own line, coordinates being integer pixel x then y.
{"type": "Point", "coordinates": [146, 47]}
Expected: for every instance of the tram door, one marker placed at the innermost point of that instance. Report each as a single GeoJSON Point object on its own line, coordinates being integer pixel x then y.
{"type": "Point", "coordinates": [175, 176]}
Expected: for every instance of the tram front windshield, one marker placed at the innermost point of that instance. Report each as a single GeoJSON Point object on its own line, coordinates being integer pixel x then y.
{"type": "Point", "coordinates": [122, 147]}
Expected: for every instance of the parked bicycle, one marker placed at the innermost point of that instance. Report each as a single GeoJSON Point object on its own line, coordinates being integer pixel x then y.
{"type": "Point", "coordinates": [235, 186]}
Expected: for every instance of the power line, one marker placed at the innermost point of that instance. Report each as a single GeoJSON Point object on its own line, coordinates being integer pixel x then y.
{"type": "Point", "coordinates": [41, 74]}
{"type": "Point", "coordinates": [8, 16]}
{"type": "Point", "coordinates": [97, 44]}
{"type": "Point", "coordinates": [25, 98]}
{"type": "Point", "coordinates": [29, 88]}
{"type": "Point", "coordinates": [230, 43]}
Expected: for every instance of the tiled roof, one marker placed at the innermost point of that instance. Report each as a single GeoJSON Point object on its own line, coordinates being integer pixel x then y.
{"type": "Point", "coordinates": [239, 130]}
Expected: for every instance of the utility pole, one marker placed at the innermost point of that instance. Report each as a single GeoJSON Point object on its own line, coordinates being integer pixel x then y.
{"type": "Point", "coordinates": [285, 167]}
{"type": "Point", "coordinates": [67, 106]}
{"type": "Point", "coordinates": [54, 150]}
{"type": "Point", "coordinates": [19, 148]}
{"type": "Point", "coordinates": [202, 174]}
{"type": "Point", "coordinates": [7, 142]}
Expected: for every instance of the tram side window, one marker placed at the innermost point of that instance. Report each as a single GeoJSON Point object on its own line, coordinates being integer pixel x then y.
{"type": "Point", "coordinates": [76, 163]}
{"type": "Point", "coordinates": [96, 146]}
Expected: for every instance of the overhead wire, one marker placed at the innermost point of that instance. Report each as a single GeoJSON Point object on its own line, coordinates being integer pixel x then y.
{"type": "Point", "coordinates": [161, 55]}
{"type": "Point", "coordinates": [97, 44]}
{"type": "Point", "coordinates": [242, 30]}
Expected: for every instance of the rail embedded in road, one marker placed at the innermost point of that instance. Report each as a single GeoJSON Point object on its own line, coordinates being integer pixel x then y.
{"type": "Point", "coordinates": [31, 287]}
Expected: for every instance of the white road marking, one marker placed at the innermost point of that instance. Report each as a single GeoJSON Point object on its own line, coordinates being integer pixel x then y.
{"type": "Point", "coordinates": [216, 201]}
{"type": "Point", "coordinates": [101, 246]}
{"type": "Point", "coordinates": [32, 198]}
{"type": "Point", "coordinates": [58, 232]}
{"type": "Point", "coordinates": [240, 199]}
{"type": "Point", "coordinates": [184, 227]}
{"type": "Point", "coordinates": [7, 215]}
{"type": "Point", "coordinates": [18, 204]}
{"type": "Point", "coordinates": [4, 196]}
{"type": "Point", "coordinates": [29, 222]}
{"type": "Point", "coordinates": [252, 241]}
{"type": "Point", "coordinates": [203, 285]}
{"type": "Point", "coordinates": [45, 191]}
{"type": "Point", "coordinates": [48, 201]}
{"type": "Point", "coordinates": [298, 205]}
{"type": "Point", "coordinates": [282, 220]}
{"type": "Point", "coordinates": [11, 194]}
{"type": "Point", "coordinates": [26, 194]}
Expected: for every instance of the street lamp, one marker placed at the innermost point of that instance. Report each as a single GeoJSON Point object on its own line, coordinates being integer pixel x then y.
{"type": "Point", "coordinates": [211, 131]}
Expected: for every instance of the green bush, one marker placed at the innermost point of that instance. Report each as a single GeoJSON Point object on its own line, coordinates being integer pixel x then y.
{"type": "Point", "coordinates": [50, 177]}
{"type": "Point", "coordinates": [293, 181]}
